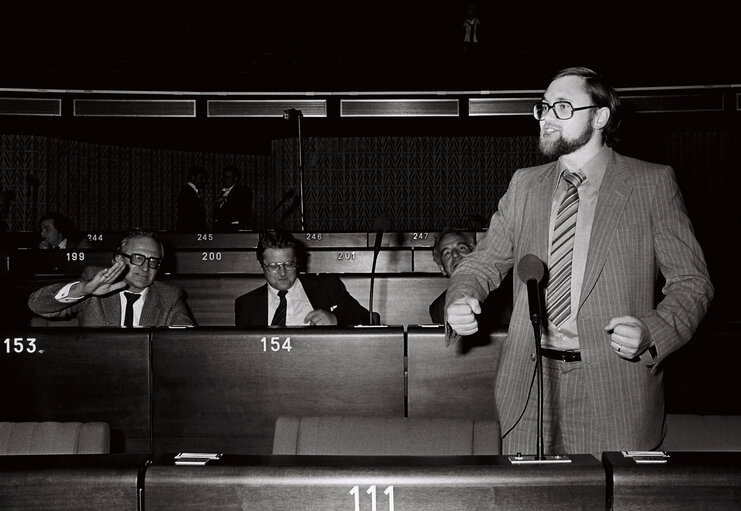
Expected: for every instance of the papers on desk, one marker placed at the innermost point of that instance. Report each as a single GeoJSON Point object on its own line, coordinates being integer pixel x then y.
{"type": "Point", "coordinates": [647, 456]}
{"type": "Point", "coordinates": [195, 458]}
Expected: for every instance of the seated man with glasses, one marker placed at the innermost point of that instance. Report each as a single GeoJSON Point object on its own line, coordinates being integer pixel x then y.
{"type": "Point", "coordinates": [290, 299]}
{"type": "Point", "coordinates": [123, 295]}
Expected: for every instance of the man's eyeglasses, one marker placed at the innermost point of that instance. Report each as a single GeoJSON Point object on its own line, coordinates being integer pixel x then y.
{"type": "Point", "coordinates": [287, 266]}
{"type": "Point", "coordinates": [561, 109]}
{"type": "Point", "coordinates": [138, 259]}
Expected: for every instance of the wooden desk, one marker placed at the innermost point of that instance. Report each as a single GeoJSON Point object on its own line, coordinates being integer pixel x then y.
{"type": "Point", "coordinates": [71, 374]}
{"type": "Point", "coordinates": [75, 482]}
{"type": "Point", "coordinates": [687, 481]}
{"type": "Point", "coordinates": [451, 381]}
{"type": "Point", "coordinates": [345, 483]}
{"type": "Point", "coordinates": [221, 390]}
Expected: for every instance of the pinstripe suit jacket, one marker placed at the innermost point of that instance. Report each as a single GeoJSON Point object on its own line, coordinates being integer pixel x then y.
{"type": "Point", "coordinates": [640, 228]}
{"type": "Point", "coordinates": [165, 306]}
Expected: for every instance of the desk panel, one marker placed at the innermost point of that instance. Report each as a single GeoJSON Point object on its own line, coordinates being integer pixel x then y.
{"type": "Point", "coordinates": [212, 262]}
{"type": "Point", "coordinates": [402, 483]}
{"type": "Point", "coordinates": [56, 262]}
{"type": "Point", "coordinates": [358, 261]}
{"type": "Point", "coordinates": [76, 482]}
{"type": "Point", "coordinates": [451, 381]}
{"type": "Point", "coordinates": [332, 239]}
{"type": "Point", "coordinates": [221, 390]}
{"type": "Point", "coordinates": [423, 261]}
{"type": "Point", "coordinates": [71, 374]}
{"type": "Point", "coordinates": [209, 241]}
{"type": "Point", "coordinates": [687, 481]}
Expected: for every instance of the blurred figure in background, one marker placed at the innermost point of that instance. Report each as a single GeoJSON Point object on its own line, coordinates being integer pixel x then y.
{"type": "Point", "coordinates": [59, 232]}
{"type": "Point", "coordinates": [191, 214]}
{"type": "Point", "coordinates": [234, 205]}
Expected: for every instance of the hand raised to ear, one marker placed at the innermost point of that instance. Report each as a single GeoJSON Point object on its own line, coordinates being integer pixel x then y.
{"type": "Point", "coordinates": [104, 282]}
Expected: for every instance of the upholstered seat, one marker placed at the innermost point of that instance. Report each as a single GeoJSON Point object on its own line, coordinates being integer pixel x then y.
{"type": "Point", "coordinates": [385, 436]}
{"type": "Point", "coordinates": [54, 438]}
{"type": "Point", "coordinates": [694, 432]}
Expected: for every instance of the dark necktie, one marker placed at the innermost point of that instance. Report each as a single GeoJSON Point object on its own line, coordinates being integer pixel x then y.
{"type": "Point", "coordinates": [279, 319]}
{"type": "Point", "coordinates": [129, 317]}
{"type": "Point", "coordinates": [558, 291]}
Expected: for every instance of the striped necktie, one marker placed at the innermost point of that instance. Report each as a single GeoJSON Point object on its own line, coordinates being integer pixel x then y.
{"type": "Point", "coordinates": [279, 318]}
{"type": "Point", "coordinates": [558, 291]}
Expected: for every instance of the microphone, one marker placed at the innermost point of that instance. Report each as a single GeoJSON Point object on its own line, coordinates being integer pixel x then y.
{"type": "Point", "coordinates": [530, 269]}
{"type": "Point", "coordinates": [380, 224]}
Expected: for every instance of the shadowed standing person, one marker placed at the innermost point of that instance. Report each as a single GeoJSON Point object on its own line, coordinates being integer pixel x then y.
{"type": "Point", "coordinates": [191, 213]}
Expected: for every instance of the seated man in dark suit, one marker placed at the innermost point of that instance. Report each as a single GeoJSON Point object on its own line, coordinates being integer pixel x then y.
{"type": "Point", "coordinates": [450, 247]}
{"type": "Point", "coordinates": [124, 294]}
{"type": "Point", "coordinates": [288, 299]}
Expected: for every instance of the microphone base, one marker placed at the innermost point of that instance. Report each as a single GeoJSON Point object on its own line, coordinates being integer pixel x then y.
{"type": "Point", "coordinates": [531, 459]}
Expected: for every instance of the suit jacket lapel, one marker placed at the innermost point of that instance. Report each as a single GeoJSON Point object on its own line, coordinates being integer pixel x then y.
{"type": "Point", "coordinates": [613, 197]}
{"type": "Point", "coordinates": [312, 291]}
{"type": "Point", "coordinates": [262, 307]}
{"type": "Point", "coordinates": [111, 307]}
{"type": "Point", "coordinates": [537, 214]}
{"type": "Point", "coordinates": [151, 308]}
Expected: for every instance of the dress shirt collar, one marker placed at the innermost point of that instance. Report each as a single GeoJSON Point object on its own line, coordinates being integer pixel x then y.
{"type": "Point", "coordinates": [594, 169]}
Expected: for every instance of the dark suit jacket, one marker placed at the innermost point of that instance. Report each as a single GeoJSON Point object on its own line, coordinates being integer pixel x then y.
{"type": "Point", "coordinates": [237, 207]}
{"type": "Point", "coordinates": [191, 215]}
{"type": "Point", "coordinates": [323, 291]}
{"type": "Point", "coordinates": [165, 306]}
{"type": "Point", "coordinates": [640, 228]}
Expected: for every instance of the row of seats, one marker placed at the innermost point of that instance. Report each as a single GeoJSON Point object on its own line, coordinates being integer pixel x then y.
{"type": "Point", "coordinates": [286, 482]}
{"type": "Point", "coordinates": [211, 297]}
{"type": "Point", "coordinates": [226, 261]}
{"type": "Point", "coordinates": [221, 389]}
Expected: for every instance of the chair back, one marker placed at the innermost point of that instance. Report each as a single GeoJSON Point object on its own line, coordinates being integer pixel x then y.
{"type": "Point", "coordinates": [385, 436]}
{"type": "Point", "coordinates": [21, 438]}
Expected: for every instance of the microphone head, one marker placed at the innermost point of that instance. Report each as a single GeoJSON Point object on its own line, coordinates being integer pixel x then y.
{"type": "Point", "coordinates": [530, 267]}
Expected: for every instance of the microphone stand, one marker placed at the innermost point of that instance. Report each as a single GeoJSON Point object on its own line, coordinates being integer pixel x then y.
{"type": "Point", "coordinates": [376, 250]}
{"type": "Point", "coordinates": [534, 297]}
{"type": "Point", "coordinates": [537, 332]}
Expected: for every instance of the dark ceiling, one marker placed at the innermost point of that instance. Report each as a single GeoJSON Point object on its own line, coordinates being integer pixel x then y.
{"type": "Point", "coordinates": [356, 45]}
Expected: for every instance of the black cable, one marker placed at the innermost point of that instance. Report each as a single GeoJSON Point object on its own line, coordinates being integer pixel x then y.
{"type": "Point", "coordinates": [527, 401]}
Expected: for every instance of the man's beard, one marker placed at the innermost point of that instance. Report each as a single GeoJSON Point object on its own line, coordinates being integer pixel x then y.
{"type": "Point", "coordinates": [556, 148]}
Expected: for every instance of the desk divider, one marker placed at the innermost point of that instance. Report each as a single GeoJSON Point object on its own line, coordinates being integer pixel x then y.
{"type": "Point", "coordinates": [452, 381]}
{"type": "Point", "coordinates": [221, 390]}
{"type": "Point", "coordinates": [85, 375]}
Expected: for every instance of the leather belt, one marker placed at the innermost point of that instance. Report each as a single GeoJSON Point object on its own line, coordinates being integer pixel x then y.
{"type": "Point", "coordinates": [565, 356]}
